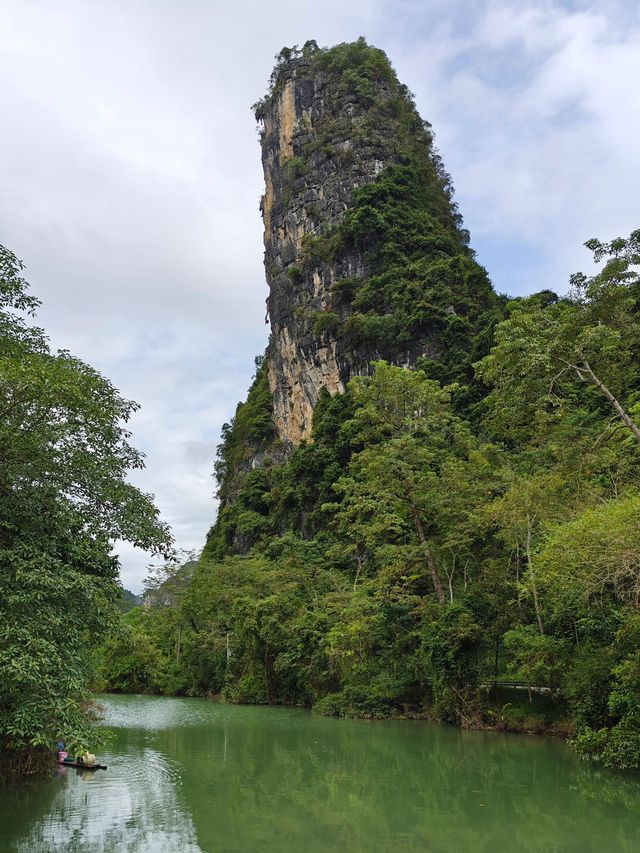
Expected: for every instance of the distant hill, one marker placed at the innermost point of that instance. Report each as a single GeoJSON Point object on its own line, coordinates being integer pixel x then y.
{"type": "Point", "coordinates": [128, 601]}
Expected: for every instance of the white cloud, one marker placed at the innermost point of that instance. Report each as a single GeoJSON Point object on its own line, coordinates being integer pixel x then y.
{"type": "Point", "coordinates": [536, 115]}
{"type": "Point", "coordinates": [131, 177]}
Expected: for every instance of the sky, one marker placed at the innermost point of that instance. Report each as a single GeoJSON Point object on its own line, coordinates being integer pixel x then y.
{"type": "Point", "coordinates": [131, 178]}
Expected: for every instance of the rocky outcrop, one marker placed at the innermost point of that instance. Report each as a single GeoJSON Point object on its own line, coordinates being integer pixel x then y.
{"type": "Point", "coordinates": [365, 260]}
{"type": "Point", "coordinates": [318, 148]}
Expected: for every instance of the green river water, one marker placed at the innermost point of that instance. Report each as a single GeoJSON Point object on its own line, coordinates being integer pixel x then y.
{"type": "Point", "coordinates": [192, 775]}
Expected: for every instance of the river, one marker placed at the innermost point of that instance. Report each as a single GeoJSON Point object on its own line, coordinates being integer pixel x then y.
{"type": "Point", "coordinates": [193, 776]}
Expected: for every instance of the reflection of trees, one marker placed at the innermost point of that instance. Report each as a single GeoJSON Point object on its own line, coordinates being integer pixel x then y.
{"type": "Point", "coordinates": [140, 812]}
{"type": "Point", "coordinates": [217, 779]}
{"type": "Point", "coordinates": [620, 790]}
{"type": "Point", "coordinates": [283, 780]}
{"type": "Point", "coordinates": [24, 804]}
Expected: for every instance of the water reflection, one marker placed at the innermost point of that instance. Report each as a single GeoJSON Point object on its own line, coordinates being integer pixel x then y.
{"type": "Point", "coordinates": [189, 775]}
{"type": "Point", "coordinates": [133, 806]}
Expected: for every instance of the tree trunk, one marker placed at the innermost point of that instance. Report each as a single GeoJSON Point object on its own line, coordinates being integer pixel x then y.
{"type": "Point", "coordinates": [431, 563]}
{"type": "Point", "coordinates": [450, 575]}
{"type": "Point", "coordinates": [532, 573]}
{"type": "Point", "coordinates": [626, 418]}
{"type": "Point", "coordinates": [359, 564]}
{"type": "Point", "coordinates": [417, 521]}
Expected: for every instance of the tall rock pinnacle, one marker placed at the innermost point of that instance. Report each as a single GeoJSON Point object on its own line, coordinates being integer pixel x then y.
{"type": "Point", "coordinates": [365, 259]}
{"type": "Point", "coordinates": [349, 168]}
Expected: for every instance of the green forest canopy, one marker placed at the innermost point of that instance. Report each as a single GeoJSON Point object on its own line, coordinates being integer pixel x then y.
{"type": "Point", "coordinates": [64, 497]}
{"type": "Point", "coordinates": [417, 548]}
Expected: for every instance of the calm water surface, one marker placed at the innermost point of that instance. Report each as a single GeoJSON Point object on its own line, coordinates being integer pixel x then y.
{"type": "Point", "coordinates": [190, 775]}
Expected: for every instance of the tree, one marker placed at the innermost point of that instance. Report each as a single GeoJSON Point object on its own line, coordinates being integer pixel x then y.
{"type": "Point", "coordinates": [617, 744]}
{"type": "Point", "coordinates": [419, 473]}
{"type": "Point", "coordinates": [594, 557]}
{"type": "Point", "coordinates": [549, 346]}
{"type": "Point", "coordinates": [537, 658]}
{"type": "Point", "coordinates": [519, 516]}
{"type": "Point", "coordinates": [64, 497]}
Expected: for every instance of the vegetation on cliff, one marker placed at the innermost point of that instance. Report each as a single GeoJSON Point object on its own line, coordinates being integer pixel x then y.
{"type": "Point", "coordinates": [64, 456]}
{"type": "Point", "coordinates": [365, 254]}
{"type": "Point", "coordinates": [422, 280]}
{"type": "Point", "coordinates": [423, 291]}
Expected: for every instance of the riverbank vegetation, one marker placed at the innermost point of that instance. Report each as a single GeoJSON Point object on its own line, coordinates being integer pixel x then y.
{"type": "Point", "coordinates": [426, 543]}
{"type": "Point", "coordinates": [64, 497]}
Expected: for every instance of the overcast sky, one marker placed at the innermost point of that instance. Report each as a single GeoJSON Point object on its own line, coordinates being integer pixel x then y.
{"type": "Point", "coordinates": [131, 177]}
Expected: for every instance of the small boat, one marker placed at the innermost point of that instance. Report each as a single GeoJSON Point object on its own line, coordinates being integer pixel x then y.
{"type": "Point", "coordinates": [82, 765]}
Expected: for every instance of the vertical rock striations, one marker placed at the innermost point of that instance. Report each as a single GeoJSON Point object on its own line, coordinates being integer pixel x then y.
{"type": "Point", "coordinates": [344, 288]}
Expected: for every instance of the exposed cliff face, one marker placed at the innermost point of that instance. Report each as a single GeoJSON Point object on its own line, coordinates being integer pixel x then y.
{"type": "Point", "coordinates": [323, 138]}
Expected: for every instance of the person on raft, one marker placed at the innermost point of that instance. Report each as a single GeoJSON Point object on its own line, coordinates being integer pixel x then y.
{"type": "Point", "coordinates": [64, 758]}
{"type": "Point", "coordinates": [63, 755]}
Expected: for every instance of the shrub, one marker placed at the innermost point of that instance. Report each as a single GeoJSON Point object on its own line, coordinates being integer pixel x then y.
{"type": "Point", "coordinates": [325, 322]}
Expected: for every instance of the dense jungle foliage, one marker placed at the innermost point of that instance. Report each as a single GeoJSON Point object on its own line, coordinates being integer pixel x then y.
{"type": "Point", "coordinates": [405, 558]}
{"type": "Point", "coordinates": [64, 456]}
